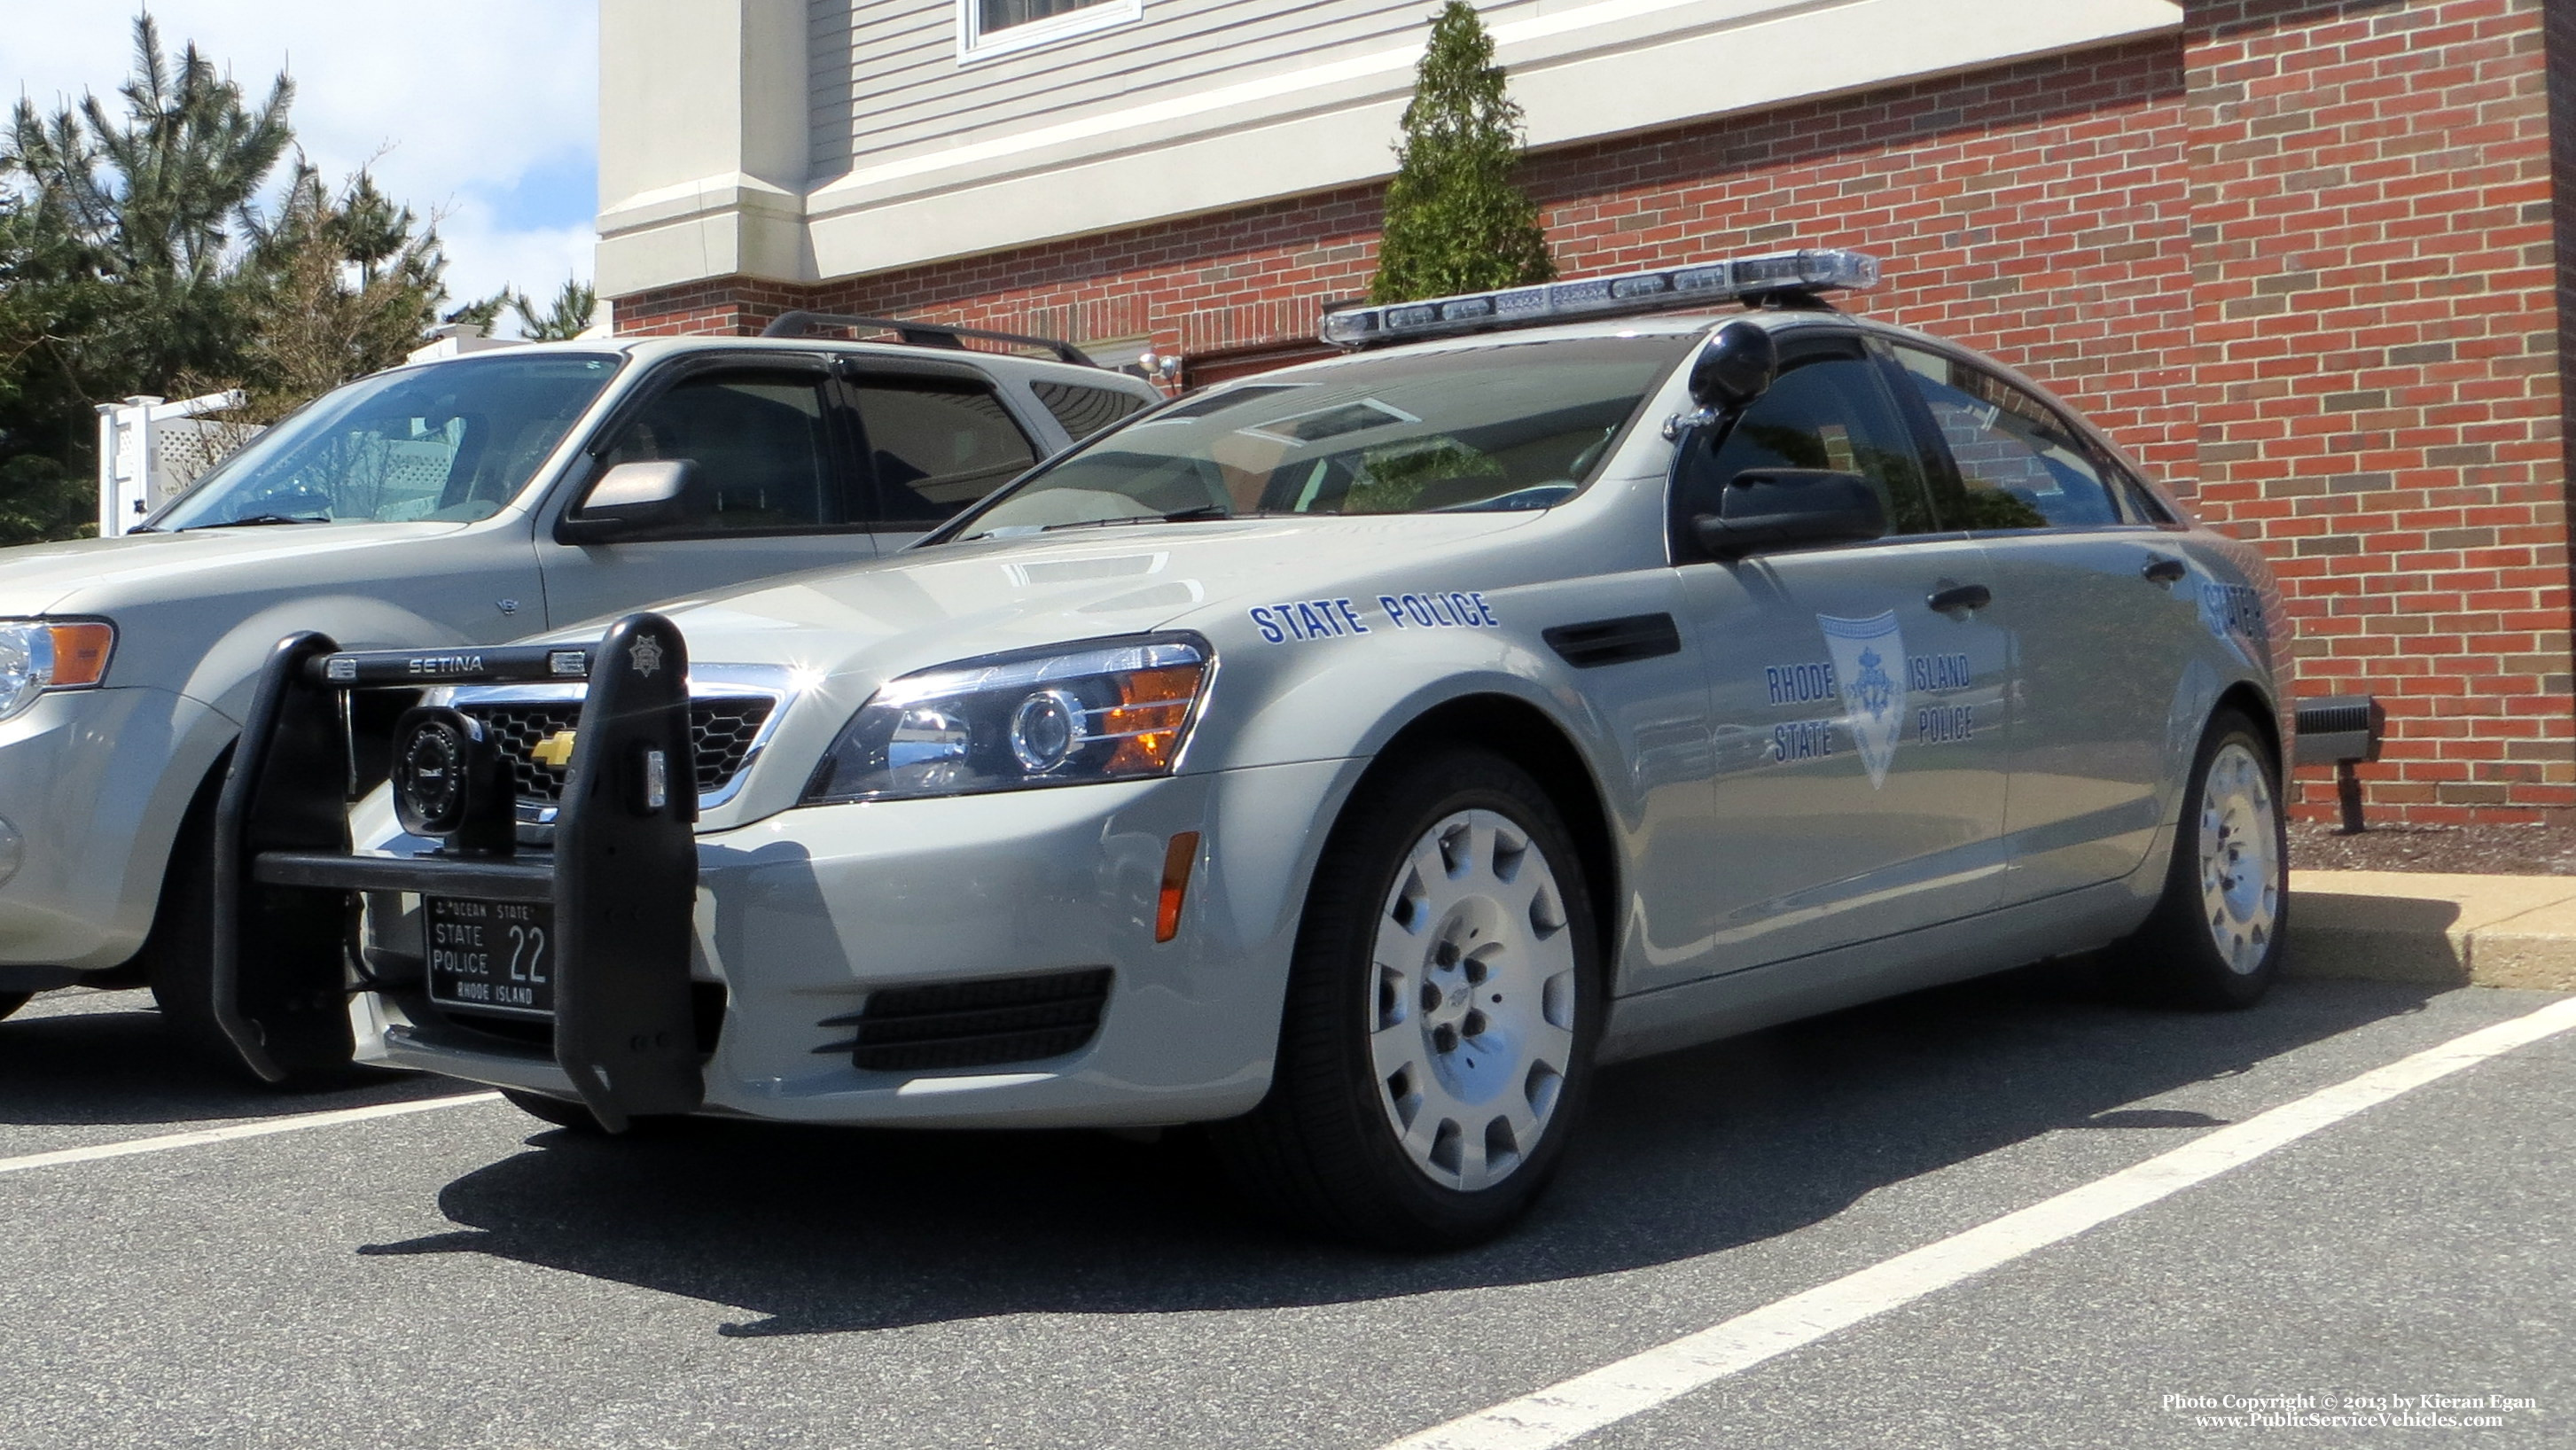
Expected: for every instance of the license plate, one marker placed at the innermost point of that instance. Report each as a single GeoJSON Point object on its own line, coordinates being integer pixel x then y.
{"type": "Point", "coordinates": [491, 956]}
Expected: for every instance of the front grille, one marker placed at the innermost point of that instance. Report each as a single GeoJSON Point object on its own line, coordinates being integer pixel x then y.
{"type": "Point", "coordinates": [721, 730]}
{"type": "Point", "coordinates": [975, 1024]}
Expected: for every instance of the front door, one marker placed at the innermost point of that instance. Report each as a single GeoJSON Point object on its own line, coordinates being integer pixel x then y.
{"type": "Point", "coordinates": [776, 491]}
{"type": "Point", "coordinates": [1859, 692]}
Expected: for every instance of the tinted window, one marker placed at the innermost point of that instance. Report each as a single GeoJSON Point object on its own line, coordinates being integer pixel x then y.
{"type": "Point", "coordinates": [450, 441]}
{"type": "Point", "coordinates": [2021, 466]}
{"type": "Point", "coordinates": [761, 447]}
{"type": "Point", "coordinates": [937, 446]}
{"type": "Point", "coordinates": [1508, 424]}
{"type": "Point", "coordinates": [1828, 413]}
{"type": "Point", "coordinates": [1084, 411]}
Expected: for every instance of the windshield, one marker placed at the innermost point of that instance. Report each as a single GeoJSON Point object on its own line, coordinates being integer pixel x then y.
{"type": "Point", "coordinates": [451, 441]}
{"type": "Point", "coordinates": [1505, 425]}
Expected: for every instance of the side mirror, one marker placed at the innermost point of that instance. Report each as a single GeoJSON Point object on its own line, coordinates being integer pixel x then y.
{"type": "Point", "coordinates": [1735, 367]}
{"type": "Point", "coordinates": [627, 498]}
{"type": "Point", "coordinates": [1786, 508]}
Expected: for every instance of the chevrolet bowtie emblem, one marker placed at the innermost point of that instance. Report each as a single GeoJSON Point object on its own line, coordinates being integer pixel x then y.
{"type": "Point", "coordinates": [555, 751]}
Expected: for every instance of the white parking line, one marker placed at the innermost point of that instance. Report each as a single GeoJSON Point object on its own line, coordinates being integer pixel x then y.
{"type": "Point", "coordinates": [1573, 1408]}
{"type": "Point", "coordinates": [259, 1128]}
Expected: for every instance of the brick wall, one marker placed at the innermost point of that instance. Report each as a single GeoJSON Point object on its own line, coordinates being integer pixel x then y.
{"type": "Point", "coordinates": [2299, 261]}
{"type": "Point", "coordinates": [2374, 309]}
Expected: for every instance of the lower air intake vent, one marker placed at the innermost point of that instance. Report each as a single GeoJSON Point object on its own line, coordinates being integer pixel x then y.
{"type": "Point", "coordinates": [975, 1024]}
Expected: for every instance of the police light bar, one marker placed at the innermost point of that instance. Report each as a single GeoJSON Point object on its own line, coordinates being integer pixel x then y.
{"type": "Point", "coordinates": [1708, 283]}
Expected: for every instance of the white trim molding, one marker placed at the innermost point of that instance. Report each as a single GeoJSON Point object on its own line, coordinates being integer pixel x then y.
{"type": "Point", "coordinates": [974, 45]}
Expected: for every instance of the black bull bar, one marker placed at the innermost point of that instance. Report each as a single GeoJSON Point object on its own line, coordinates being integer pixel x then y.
{"type": "Point", "coordinates": [622, 877]}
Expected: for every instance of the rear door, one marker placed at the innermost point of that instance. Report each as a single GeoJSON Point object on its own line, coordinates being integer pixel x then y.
{"type": "Point", "coordinates": [781, 485]}
{"type": "Point", "coordinates": [1859, 692]}
{"type": "Point", "coordinates": [2100, 612]}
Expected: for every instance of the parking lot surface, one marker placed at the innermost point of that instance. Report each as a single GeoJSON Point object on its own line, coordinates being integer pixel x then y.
{"type": "Point", "coordinates": [462, 1275]}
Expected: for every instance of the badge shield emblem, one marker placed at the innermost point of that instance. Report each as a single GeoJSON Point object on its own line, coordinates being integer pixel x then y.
{"type": "Point", "coordinates": [1869, 663]}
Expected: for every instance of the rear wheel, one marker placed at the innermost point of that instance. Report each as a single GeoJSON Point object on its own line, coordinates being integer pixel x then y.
{"type": "Point", "coordinates": [1440, 1015]}
{"type": "Point", "coordinates": [12, 1001]}
{"type": "Point", "coordinates": [2216, 936]}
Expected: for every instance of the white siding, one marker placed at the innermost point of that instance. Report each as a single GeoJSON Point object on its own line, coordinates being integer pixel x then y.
{"type": "Point", "coordinates": [886, 79]}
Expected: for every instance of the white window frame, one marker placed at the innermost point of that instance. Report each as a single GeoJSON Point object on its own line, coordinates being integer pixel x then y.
{"type": "Point", "coordinates": [973, 45]}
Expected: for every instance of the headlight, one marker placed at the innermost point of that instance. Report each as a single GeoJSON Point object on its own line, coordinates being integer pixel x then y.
{"type": "Point", "coordinates": [1114, 709]}
{"type": "Point", "coordinates": [37, 655]}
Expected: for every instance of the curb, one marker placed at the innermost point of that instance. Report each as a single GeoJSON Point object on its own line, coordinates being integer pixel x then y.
{"type": "Point", "coordinates": [2409, 926]}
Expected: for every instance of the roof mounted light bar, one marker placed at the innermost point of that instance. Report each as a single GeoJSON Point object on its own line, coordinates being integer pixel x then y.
{"type": "Point", "coordinates": [1773, 274]}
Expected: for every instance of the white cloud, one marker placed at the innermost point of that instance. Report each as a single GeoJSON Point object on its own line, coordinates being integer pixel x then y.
{"type": "Point", "coordinates": [453, 104]}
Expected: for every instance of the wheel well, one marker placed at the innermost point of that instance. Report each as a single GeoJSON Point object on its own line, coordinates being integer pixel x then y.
{"type": "Point", "coordinates": [1524, 735]}
{"type": "Point", "coordinates": [2248, 701]}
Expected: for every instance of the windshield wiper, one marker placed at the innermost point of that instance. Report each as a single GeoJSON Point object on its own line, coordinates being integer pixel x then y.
{"type": "Point", "coordinates": [250, 521]}
{"type": "Point", "coordinates": [1204, 511]}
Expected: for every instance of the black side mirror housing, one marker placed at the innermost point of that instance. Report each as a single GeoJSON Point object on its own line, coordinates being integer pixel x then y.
{"type": "Point", "coordinates": [1735, 367]}
{"type": "Point", "coordinates": [628, 498]}
{"type": "Point", "coordinates": [1763, 509]}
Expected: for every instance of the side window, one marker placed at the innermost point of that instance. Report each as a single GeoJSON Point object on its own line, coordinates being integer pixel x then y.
{"type": "Point", "coordinates": [1084, 411]}
{"type": "Point", "coordinates": [2021, 466]}
{"type": "Point", "coordinates": [936, 446]}
{"type": "Point", "coordinates": [1831, 412]}
{"type": "Point", "coordinates": [761, 446]}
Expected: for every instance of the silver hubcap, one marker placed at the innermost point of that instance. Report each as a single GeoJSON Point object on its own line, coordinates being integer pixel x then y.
{"type": "Point", "coordinates": [2240, 858]}
{"type": "Point", "coordinates": [1471, 1009]}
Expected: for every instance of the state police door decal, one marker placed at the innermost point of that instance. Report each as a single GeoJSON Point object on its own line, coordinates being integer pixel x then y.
{"type": "Point", "coordinates": [1869, 661]}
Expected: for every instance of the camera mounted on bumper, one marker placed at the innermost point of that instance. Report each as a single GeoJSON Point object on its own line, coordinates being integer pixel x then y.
{"type": "Point", "coordinates": [601, 926]}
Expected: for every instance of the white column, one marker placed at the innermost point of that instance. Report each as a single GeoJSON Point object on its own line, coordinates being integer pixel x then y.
{"type": "Point", "coordinates": [703, 141]}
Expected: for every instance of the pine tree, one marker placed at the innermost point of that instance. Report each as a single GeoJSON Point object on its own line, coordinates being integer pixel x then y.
{"type": "Point", "coordinates": [567, 319]}
{"type": "Point", "coordinates": [1455, 222]}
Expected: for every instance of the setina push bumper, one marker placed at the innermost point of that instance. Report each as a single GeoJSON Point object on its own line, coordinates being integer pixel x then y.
{"type": "Point", "coordinates": [588, 946]}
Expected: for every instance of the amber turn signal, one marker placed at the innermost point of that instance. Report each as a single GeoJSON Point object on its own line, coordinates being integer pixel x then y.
{"type": "Point", "coordinates": [80, 653]}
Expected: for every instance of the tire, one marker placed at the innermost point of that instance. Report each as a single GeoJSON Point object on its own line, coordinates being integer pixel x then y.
{"type": "Point", "coordinates": [575, 1117]}
{"type": "Point", "coordinates": [1423, 1122]}
{"type": "Point", "coordinates": [2215, 938]}
{"type": "Point", "coordinates": [178, 963]}
{"type": "Point", "coordinates": [11, 1001]}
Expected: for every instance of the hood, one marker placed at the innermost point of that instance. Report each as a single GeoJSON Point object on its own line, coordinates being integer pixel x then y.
{"type": "Point", "coordinates": [98, 576]}
{"type": "Point", "coordinates": [925, 607]}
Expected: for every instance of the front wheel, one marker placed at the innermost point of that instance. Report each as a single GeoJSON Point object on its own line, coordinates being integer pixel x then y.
{"type": "Point", "coordinates": [1440, 1014]}
{"type": "Point", "coordinates": [2216, 936]}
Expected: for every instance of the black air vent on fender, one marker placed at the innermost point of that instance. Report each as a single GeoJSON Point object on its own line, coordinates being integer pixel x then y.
{"type": "Point", "coordinates": [1614, 641]}
{"type": "Point", "coordinates": [975, 1024]}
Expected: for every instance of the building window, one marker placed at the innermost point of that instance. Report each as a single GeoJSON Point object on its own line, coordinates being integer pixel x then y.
{"type": "Point", "coordinates": [990, 27]}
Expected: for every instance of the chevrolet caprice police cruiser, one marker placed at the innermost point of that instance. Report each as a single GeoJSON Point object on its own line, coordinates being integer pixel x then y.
{"type": "Point", "coordinates": [1349, 758]}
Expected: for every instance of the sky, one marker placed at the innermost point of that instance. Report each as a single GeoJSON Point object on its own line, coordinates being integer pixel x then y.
{"type": "Point", "coordinates": [484, 112]}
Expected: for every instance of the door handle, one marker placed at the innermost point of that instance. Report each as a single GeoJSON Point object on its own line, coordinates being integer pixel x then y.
{"type": "Point", "coordinates": [2163, 570]}
{"type": "Point", "coordinates": [1961, 596]}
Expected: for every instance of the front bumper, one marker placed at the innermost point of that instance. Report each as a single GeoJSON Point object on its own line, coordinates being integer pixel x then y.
{"type": "Point", "coordinates": [802, 916]}
{"type": "Point", "coordinates": [94, 783]}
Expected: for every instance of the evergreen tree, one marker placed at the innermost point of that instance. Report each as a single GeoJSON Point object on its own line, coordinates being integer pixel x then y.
{"type": "Point", "coordinates": [337, 286]}
{"type": "Point", "coordinates": [567, 319]}
{"type": "Point", "coordinates": [1455, 222]}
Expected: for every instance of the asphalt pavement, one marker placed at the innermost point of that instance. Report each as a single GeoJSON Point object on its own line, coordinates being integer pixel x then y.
{"type": "Point", "coordinates": [466, 1276]}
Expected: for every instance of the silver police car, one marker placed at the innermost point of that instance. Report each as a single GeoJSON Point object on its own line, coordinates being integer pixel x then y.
{"type": "Point", "coordinates": [1350, 758]}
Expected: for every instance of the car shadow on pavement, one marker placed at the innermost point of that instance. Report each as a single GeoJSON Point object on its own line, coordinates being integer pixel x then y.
{"type": "Point", "coordinates": [824, 1230]}
{"type": "Point", "coordinates": [97, 1059]}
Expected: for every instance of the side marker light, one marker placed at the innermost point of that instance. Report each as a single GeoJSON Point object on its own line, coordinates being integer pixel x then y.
{"type": "Point", "coordinates": [1178, 858]}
